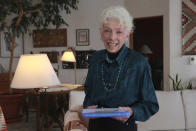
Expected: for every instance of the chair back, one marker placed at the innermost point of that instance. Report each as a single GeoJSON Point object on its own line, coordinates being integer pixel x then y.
{"type": "Point", "coordinates": [76, 99]}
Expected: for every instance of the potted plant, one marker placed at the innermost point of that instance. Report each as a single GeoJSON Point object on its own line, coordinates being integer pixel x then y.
{"type": "Point", "coordinates": [18, 16]}
{"type": "Point", "coordinates": [178, 85]}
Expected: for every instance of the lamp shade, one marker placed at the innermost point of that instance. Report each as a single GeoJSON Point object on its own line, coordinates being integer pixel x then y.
{"type": "Point", "coordinates": [68, 56]}
{"type": "Point", "coordinates": [34, 71]}
{"type": "Point", "coordinates": [145, 49]}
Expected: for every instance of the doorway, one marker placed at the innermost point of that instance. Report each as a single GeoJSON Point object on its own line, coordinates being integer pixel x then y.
{"type": "Point", "coordinates": [148, 40]}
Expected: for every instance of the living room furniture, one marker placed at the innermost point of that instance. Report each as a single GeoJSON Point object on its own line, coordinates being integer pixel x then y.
{"type": "Point", "coordinates": [11, 103]}
{"type": "Point", "coordinates": [3, 126]}
{"type": "Point", "coordinates": [55, 103]}
{"type": "Point", "coordinates": [34, 71]}
{"type": "Point", "coordinates": [177, 111]}
{"type": "Point", "coordinates": [4, 82]}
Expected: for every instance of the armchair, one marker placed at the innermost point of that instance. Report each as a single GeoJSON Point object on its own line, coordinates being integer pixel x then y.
{"type": "Point", "coordinates": [3, 126]}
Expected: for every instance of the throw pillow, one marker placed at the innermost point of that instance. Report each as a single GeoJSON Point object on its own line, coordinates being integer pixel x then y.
{"type": "Point", "coordinates": [75, 124]}
{"type": "Point", "coordinates": [3, 126]}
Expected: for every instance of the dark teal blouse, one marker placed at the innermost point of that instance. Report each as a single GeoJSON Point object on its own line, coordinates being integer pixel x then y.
{"type": "Point", "coordinates": [124, 81]}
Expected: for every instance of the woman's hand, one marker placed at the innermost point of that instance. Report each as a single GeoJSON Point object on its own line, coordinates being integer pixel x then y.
{"type": "Point", "coordinates": [124, 119]}
{"type": "Point", "coordinates": [92, 107]}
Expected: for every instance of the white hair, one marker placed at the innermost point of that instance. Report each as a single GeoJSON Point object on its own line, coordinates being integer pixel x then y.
{"type": "Point", "coordinates": [120, 13]}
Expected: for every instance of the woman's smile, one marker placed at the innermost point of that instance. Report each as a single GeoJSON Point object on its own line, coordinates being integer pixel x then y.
{"type": "Point", "coordinates": [114, 35]}
{"type": "Point", "coordinates": [112, 43]}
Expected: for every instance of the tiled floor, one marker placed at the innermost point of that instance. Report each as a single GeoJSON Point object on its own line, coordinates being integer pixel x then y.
{"type": "Point", "coordinates": [27, 126]}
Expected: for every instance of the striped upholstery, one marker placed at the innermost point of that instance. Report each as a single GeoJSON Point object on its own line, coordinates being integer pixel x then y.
{"type": "Point", "coordinates": [3, 126]}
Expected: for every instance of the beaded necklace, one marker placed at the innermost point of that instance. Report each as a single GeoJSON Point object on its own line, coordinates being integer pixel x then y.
{"type": "Point", "coordinates": [117, 79]}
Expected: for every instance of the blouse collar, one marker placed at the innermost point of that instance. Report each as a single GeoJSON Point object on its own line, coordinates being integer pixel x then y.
{"type": "Point", "coordinates": [120, 56]}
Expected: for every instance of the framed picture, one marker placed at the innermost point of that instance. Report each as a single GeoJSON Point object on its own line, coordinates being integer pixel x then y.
{"type": "Point", "coordinates": [188, 27]}
{"type": "Point", "coordinates": [50, 38]}
{"type": "Point", "coordinates": [4, 45]}
{"type": "Point", "coordinates": [52, 55]}
{"type": "Point", "coordinates": [82, 37]}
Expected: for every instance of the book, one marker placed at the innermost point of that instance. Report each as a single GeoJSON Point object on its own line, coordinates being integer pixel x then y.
{"type": "Point", "coordinates": [62, 87]}
{"type": "Point", "coordinates": [104, 112]}
{"type": "Point", "coordinates": [71, 86]}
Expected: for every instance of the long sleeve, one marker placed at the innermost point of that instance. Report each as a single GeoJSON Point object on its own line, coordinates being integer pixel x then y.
{"type": "Point", "coordinates": [147, 105]}
{"type": "Point", "coordinates": [87, 85]}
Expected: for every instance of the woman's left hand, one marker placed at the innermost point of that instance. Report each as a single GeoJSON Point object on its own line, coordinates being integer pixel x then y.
{"type": "Point", "coordinates": [124, 119]}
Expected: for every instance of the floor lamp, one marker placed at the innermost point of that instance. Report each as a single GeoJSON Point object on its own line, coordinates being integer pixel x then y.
{"type": "Point", "coordinates": [69, 56]}
{"type": "Point", "coordinates": [34, 71]}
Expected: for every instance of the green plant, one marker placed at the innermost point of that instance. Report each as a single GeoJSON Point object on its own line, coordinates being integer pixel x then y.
{"type": "Point", "coordinates": [178, 85]}
{"type": "Point", "coordinates": [189, 86]}
{"type": "Point", "coordinates": [18, 16]}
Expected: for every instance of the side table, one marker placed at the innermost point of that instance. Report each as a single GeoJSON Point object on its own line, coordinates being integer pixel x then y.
{"type": "Point", "coordinates": [54, 100]}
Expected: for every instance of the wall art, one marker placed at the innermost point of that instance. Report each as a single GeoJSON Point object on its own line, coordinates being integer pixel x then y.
{"type": "Point", "coordinates": [188, 27]}
{"type": "Point", "coordinates": [82, 37]}
{"type": "Point", "coordinates": [50, 38]}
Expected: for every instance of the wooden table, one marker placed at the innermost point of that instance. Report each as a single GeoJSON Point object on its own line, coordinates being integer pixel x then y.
{"type": "Point", "coordinates": [55, 92]}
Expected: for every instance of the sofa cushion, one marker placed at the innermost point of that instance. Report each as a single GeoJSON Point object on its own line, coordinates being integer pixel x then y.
{"type": "Point", "coordinates": [191, 129]}
{"type": "Point", "coordinates": [189, 99]}
{"type": "Point", "coordinates": [76, 99]}
{"type": "Point", "coordinates": [170, 115]}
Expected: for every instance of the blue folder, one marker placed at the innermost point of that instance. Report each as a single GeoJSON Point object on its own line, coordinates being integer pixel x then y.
{"type": "Point", "coordinates": [104, 112]}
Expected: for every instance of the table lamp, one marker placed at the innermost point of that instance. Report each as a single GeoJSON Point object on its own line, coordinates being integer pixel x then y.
{"type": "Point", "coordinates": [34, 71]}
{"type": "Point", "coordinates": [69, 56]}
{"type": "Point", "coordinates": [146, 51]}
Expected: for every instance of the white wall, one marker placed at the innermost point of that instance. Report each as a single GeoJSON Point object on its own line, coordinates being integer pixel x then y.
{"type": "Point", "coordinates": [87, 16]}
{"type": "Point", "coordinates": [178, 62]}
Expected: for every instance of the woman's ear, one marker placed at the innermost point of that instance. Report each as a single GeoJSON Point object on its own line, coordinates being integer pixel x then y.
{"type": "Point", "coordinates": [127, 37]}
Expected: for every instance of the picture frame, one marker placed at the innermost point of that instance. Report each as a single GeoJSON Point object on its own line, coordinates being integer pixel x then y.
{"type": "Point", "coordinates": [4, 45]}
{"type": "Point", "coordinates": [188, 27]}
{"type": "Point", "coordinates": [50, 38]}
{"type": "Point", "coordinates": [82, 37]}
{"type": "Point", "coordinates": [52, 55]}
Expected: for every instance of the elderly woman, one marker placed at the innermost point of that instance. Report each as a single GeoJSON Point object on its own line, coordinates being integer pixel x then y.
{"type": "Point", "coordinates": [118, 76]}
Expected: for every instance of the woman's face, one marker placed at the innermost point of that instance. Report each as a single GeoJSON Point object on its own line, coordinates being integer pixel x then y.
{"type": "Point", "coordinates": [113, 35]}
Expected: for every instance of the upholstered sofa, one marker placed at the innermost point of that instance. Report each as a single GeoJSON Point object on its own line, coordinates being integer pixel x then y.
{"type": "Point", "coordinates": [177, 111]}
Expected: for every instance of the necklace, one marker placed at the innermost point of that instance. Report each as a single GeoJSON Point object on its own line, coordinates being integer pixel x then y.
{"type": "Point", "coordinates": [117, 78]}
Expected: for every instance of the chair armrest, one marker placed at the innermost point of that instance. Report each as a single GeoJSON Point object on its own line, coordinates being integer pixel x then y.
{"type": "Point", "coordinates": [70, 116]}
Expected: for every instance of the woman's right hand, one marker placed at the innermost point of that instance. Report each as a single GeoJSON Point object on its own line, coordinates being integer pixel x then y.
{"type": "Point", "coordinates": [92, 107]}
